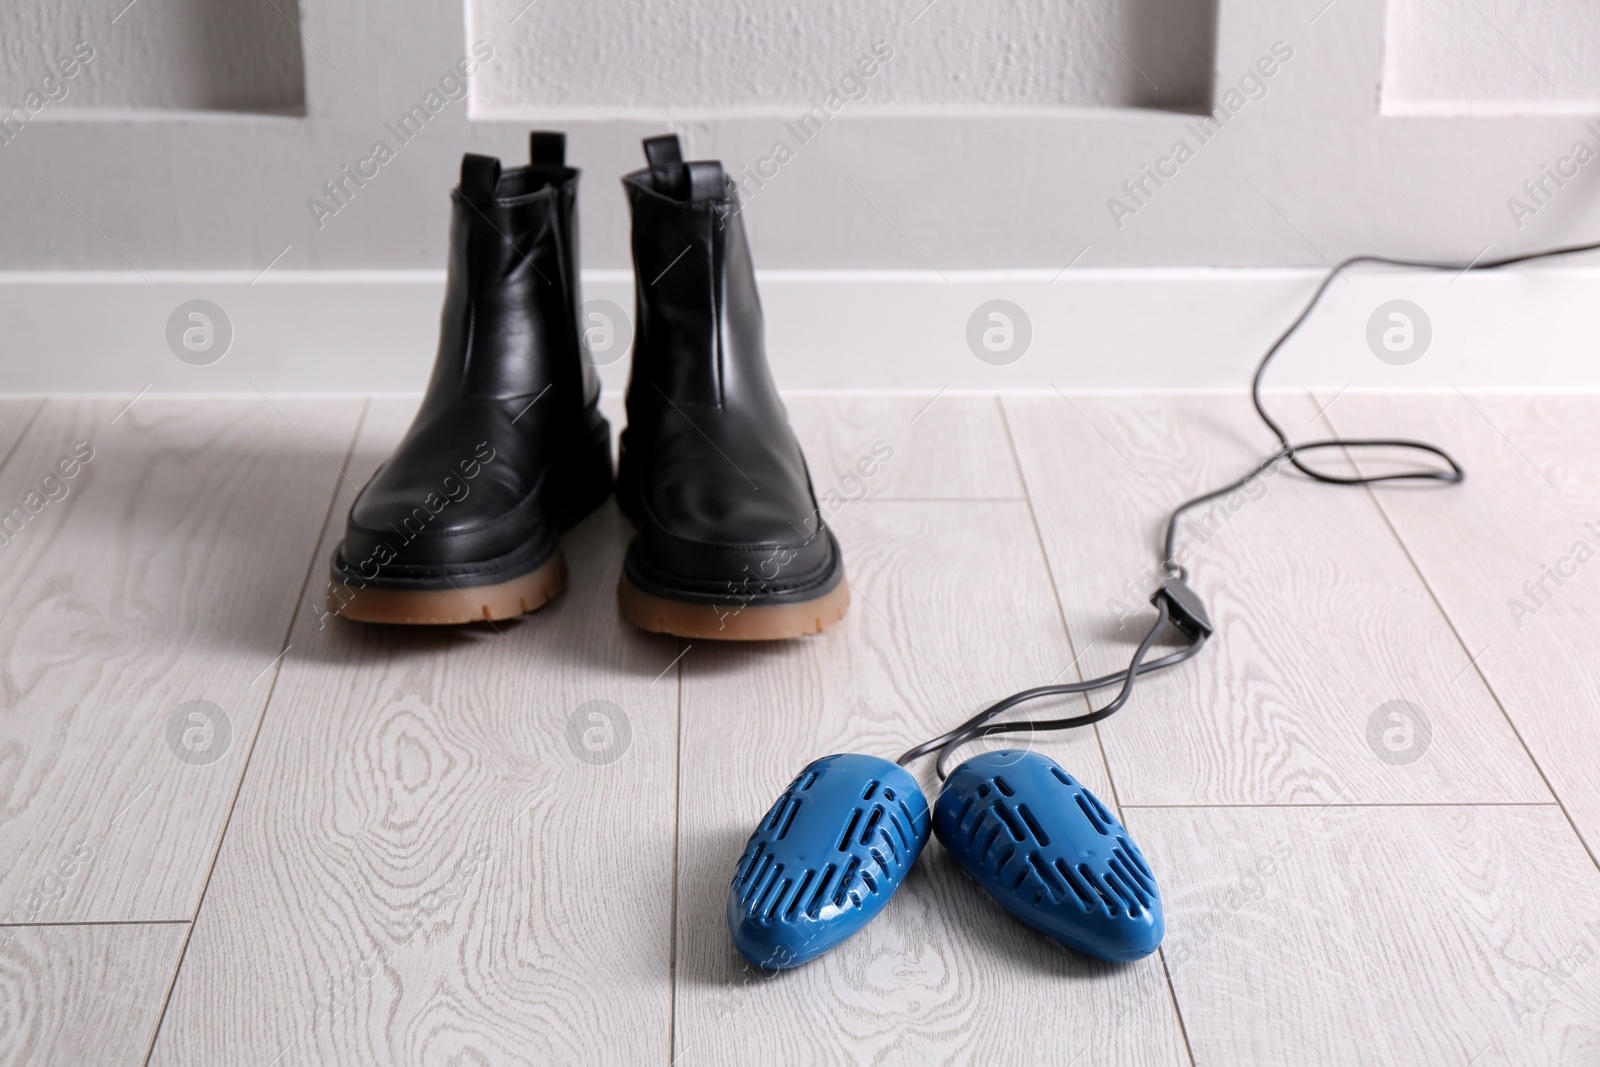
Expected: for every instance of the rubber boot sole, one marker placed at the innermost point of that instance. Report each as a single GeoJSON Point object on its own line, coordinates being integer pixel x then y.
{"type": "Point", "coordinates": [581, 489]}
{"type": "Point", "coordinates": [463, 604]}
{"type": "Point", "coordinates": [732, 622]}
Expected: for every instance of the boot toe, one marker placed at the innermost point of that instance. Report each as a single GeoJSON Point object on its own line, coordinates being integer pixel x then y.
{"type": "Point", "coordinates": [418, 543]}
{"type": "Point", "coordinates": [772, 570]}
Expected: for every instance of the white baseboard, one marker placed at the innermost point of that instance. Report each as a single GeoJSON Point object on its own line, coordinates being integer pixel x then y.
{"type": "Point", "coordinates": [374, 331]}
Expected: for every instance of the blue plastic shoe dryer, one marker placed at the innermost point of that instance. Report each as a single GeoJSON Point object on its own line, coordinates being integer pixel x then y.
{"type": "Point", "coordinates": [841, 839]}
{"type": "Point", "coordinates": [1051, 854]}
{"type": "Point", "coordinates": [826, 859]}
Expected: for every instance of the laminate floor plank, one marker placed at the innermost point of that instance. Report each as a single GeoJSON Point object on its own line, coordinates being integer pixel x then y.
{"type": "Point", "coordinates": [1509, 553]}
{"type": "Point", "coordinates": [1359, 935]}
{"type": "Point", "coordinates": [952, 609]}
{"type": "Point", "coordinates": [512, 843]}
{"type": "Point", "coordinates": [904, 447]}
{"type": "Point", "coordinates": [1557, 438]}
{"type": "Point", "coordinates": [454, 844]}
{"type": "Point", "coordinates": [164, 571]}
{"type": "Point", "coordinates": [83, 994]}
{"type": "Point", "coordinates": [1324, 630]}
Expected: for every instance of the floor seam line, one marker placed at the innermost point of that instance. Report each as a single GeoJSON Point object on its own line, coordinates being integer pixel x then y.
{"type": "Point", "coordinates": [94, 922]}
{"type": "Point", "coordinates": [1055, 589]}
{"type": "Point", "coordinates": [266, 707]}
{"type": "Point", "coordinates": [1072, 650]}
{"type": "Point", "coordinates": [1460, 641]}
{"type": "Point", "coordinates": [17, 444]}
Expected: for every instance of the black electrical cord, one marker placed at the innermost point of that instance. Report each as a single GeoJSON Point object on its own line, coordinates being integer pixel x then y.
{"type": "Point", "coordinates": [979, 727]}
{"type": "Point", "coordinates": [1175, 603]}
{"type": "Point", "coordinates": [1065, 689]}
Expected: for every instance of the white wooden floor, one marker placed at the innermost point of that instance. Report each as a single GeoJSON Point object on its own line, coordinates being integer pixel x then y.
{"type": "Point", "coordinates": [398, 847]}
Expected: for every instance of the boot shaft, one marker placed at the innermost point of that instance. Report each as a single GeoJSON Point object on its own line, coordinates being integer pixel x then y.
{"type": "Point", "coordinates": [510, 322]}
{"type": "Point", "coordinates": [699, 332]}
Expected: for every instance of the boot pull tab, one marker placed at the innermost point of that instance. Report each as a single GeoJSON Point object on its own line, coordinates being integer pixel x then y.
{"type": "Point", "coordinates": [706, 181]}
{"type": "Point", "coordinates": [663, 152]}
{"type": "Point", "coordinates": [547, 148]}
{"type": "Point", "coordinates": [479, 175]}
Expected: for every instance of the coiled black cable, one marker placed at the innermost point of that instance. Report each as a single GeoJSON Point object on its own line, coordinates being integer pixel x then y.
{"type": "Point", "coordinates": [980, 725]}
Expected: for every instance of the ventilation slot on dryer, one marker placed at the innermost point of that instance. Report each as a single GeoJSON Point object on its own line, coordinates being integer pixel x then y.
{"type": "Point", "coordinates": [1091, 811]}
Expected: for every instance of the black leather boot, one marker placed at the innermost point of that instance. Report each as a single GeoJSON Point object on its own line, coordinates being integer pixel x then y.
{"type": "Point", "coordinates": [731, 544]}
{"type": "Point", "coordinates": [508, 449]}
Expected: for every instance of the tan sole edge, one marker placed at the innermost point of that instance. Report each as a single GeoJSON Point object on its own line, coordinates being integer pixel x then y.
{"type": "Point", "coordinates": [453, 607]}
{"type": "Point", "coordinates": [713, 622]}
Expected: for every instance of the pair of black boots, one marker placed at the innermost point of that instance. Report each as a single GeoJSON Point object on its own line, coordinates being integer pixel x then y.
{"type": "Point", "coordinates": [509, 449]}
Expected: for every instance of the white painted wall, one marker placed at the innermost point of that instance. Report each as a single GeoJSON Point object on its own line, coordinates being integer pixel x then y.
{"type": "Point", "coordinates": [155, 55]}
{"type": "Point", "coordinates": [716, 56]}
{"type": "Point", "coordinates": [1002, 135]}
{"type": "Point", "coordinates": [1472, 58]}
{"type": "Point", "coordinates": [962, 161]}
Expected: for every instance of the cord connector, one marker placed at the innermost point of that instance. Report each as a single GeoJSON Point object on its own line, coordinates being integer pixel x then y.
{"type": "Point", "coordinates": [1185, 609]}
